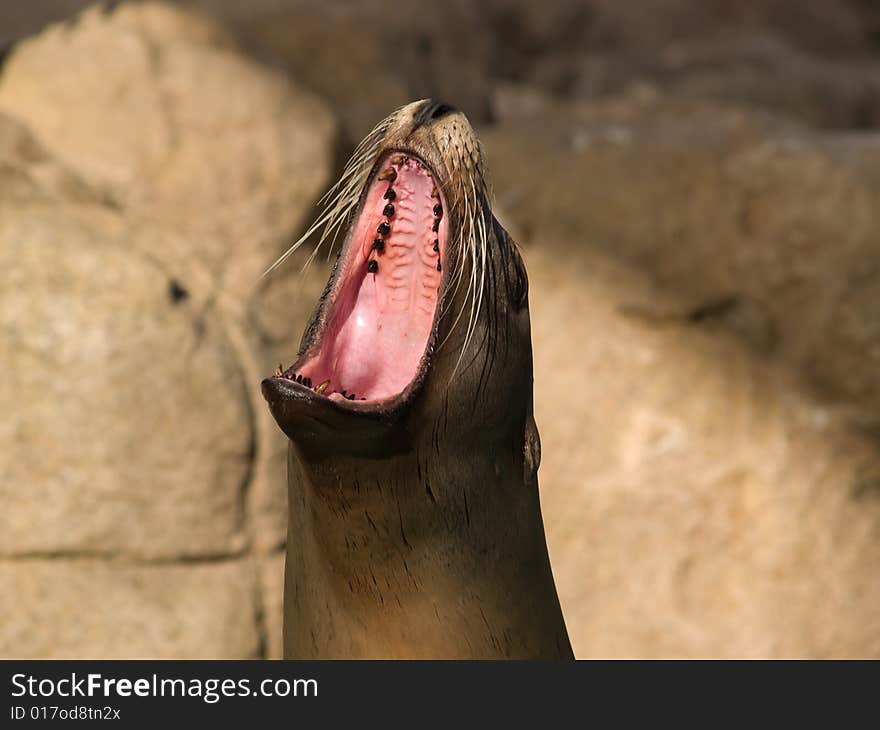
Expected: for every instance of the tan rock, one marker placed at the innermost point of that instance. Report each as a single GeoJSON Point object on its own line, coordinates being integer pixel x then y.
{"type": "Point", "coordinates": [163, 174]}
{"type": "Point", "coordinates": [757, 224]}
{"type": "Point", "coordinates": [342, 55]}
{"type": "Point", "coordinates": [708, 484]}
{"type": "Point", "coordinates": [367, 59]}
{"type": "Point", "coordinates": [114, 438]}
{"type": "Point", "coordinates": [98, 609]}
{"type": "Point", "coordinates": [179, 128]}
{"type": "Point", "coordinates": [696, 504]}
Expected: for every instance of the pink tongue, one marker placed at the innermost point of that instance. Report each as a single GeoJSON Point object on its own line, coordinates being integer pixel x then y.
{"type": "Point", "coordinates": [382, 320]}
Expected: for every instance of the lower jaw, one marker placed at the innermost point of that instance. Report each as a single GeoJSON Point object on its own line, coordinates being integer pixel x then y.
{"type": "Point", "coordinates": [383, 305]}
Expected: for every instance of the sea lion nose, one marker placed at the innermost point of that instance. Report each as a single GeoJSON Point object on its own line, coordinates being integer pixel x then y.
{"type": "Point", "coordinates": [432, 109]}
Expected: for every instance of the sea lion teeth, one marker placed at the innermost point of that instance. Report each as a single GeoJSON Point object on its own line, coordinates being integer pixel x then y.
{"type": "Point", "coordinates": [434, 192]}
{"type": "Point", "coordinates": [388, 210]}
{"type": "Point", "coordinates": [398, 160]}
{"type": "Point", "coordinates": [299, 378]}
{"type": "Point", "coordinates": [350, 397]}
{"type": "Point", "coordinates": [379, 244]}
{"type": "Point", "coordinates": [383, 229]}
{"type": "Point", "coordinates": [390, 194]}
{"type": "Point", "coordinates": [389, 174]}
{"type": "Point", "coordinates": [279, 371]}
{"type": "Point", "coordinates": [373, 266]}
{"type": "Point", "coordinates": [322, 387]}
{"type": "Point", "coordinates": [438, 210]}
{"type": "Point", "coordinates": [439, 268]}
{"type": "Point", "coordinates": [307, 382]}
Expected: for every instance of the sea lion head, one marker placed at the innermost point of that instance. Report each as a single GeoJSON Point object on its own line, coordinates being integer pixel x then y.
{"type": "Point", "coordinates": [423, 330]}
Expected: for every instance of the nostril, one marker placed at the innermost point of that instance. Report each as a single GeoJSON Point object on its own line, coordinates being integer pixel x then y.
{"type": "Point", "coordinates": [432, 110]}
{"type": "Point", "coordinates": [440, 110]}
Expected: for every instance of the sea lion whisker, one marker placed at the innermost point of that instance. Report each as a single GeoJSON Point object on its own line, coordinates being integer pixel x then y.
{"type": "Point", "coordinates": [463, 251]}
{"type": "Point", "coordinates": [331, 219]}
{"type": "Point", "coordinates": [477, 247]}
{"type": "Point", "coordinates": [340, 199]}
{"type": "Point", "coordinates": [363, 151]}
{"type": "Point", "coordinates": [471, 248]}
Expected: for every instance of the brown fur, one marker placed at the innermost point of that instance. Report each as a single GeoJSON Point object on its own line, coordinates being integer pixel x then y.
{"type": "Point", "coordinates": [415, 530]}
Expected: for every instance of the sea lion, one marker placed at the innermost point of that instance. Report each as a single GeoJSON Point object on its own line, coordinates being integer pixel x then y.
{"type": "Point", "coordinates": [415, 529]}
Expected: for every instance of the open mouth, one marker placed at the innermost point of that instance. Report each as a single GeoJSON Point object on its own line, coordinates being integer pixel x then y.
{"type": "Point", "coordinates": [378, 321]}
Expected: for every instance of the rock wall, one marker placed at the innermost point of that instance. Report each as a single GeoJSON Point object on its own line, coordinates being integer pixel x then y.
{"type": "Point", "coordinates": [148, 174]}
{"type": "Point", "coordinates": [711, 460]}
{"type": "Point", "coordinates": [695, 189]}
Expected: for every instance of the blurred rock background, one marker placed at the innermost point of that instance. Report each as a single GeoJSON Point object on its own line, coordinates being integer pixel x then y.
{"type": "Point", "coordinates": [695, 187]}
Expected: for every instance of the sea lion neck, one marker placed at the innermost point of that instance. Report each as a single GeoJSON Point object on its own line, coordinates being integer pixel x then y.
{"type": "Point", "coordinates": [424, 555]}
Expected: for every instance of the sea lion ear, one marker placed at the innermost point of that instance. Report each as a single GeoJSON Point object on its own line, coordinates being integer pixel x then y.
{"type": "Point", "coordinates": [515, 270]}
